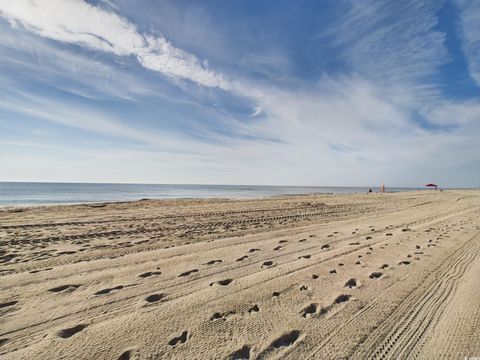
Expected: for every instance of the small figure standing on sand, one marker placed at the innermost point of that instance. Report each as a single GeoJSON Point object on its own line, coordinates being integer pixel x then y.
{"type": "Point", "coordinates": [382, 189]}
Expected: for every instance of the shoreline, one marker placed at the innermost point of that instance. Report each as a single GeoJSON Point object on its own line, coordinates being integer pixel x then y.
{"type": "Point", "coordinates": [237, 198]}
{"type": "Point", "coordinates": [40, 194]}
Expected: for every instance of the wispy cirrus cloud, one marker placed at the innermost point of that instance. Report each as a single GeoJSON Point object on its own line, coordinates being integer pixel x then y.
{"type": "Point", "coordinates": [389, 41]}
{"type": "Point", "coordinates": [94, 121]}
{"type": "Point", "coordinates": [27, 58]}
{"type": "Point", "coordinates": [470, 25]}
{"type": "Point", "coordinates": [77, 22]}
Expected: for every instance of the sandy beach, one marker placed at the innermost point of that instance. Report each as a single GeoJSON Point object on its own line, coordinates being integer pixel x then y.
{"type": "Point", "coordinates": [380, 276]}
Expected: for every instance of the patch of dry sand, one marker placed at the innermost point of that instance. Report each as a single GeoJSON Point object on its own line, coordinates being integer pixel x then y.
{"type": "Point", "coordinates": [327, 276]}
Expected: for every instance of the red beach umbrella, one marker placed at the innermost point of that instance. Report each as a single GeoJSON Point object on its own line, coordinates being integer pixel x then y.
{"type": "Point", "coordinates": [431, 185]}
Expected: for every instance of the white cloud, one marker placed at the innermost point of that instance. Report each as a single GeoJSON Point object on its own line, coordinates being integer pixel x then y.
{"type": "Point", "coordinates": [470, 25]}
{"type": "Point", "coordinates": [352, 131]}
{"type": "Point", "coordinates": [27, 58]}
{"type": "Point", "coordinates": [389, 41]}
{"type": "Point", "coordinates": [465, 113]}
{"type": "Point", "coordinates": [77, 22]}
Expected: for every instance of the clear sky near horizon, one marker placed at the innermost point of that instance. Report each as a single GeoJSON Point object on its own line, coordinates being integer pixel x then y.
{"type": "Point", "coordinates": [333, 92]}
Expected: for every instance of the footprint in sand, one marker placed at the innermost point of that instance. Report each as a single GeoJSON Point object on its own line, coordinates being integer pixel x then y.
{"type": "Point", "coordinates": [69, 332]}
{"type": "Point", "coordinates": [342, 298]}
{"type": "Point", "coordinates": [109, 290]}
{"type": "Point", "coordinates": [339, 300]}
{"type": "Point", "coordinates": [179, 339]}
{"type": "Point", "coordinates": [224, 282]}
{"type": "Point", "coordinates": [242, 258]}
{"type": "Point", "coordinates": [276, 294]}
{"type": "Point", "coordinates": [150, 273]}
{"type": "Point", "coordinates": [280, 247]}
{"type": "Point", "coordinates": [3, 341]}
{"type": "Point", "coordinates": [64, 288]}
{"type": "Point", "coordinates": [352, 283]}
{"type": "Point", "coordinates": [154, 298]}
{"type": "Point", "coordinates": [404, 262]}
{"type": "Point", "coordinates": [305, 257]}
{"type": "Point", "coordinates": [66, 252]}
{"type": "Point", "coordinates": [217, 316]}
{"type": "Point", "coordinates": [375, 275]}
{"type": "Point", "coordinates": [222, 316]}
{"type": "Point", "coordinates": [315, 276]}
{"type": "Point", "coordinates": [384, 266]}
{"type": "Point", "coordinates": [186, 273]}
{"type": "Point", "coordinates": [302, 240]}
{"type": "Point", "coordinates": [283, 241]}
{"type": "Point", "coordinates": [304, 288]}
{"type": "Point", "coordinates": [309, 311]}
{"type": "Point", "coordinates": [326, 246]}
{"type": "Point", "coordinates": [7, 304]}
{"type": "Point", "coordinates": [268, 264]}
{"type": "Point", "coordinates": [287, 339]}
{"type": "Point", "coordinates": [211, 262]}
{"type": "Point", "coordinates": [254, 309]}
{"type": "Point", "coordinates": [126, 355]}
{"type": "Point", "coordinates": [253, 250]}
{"type": "Point", "coordinates": [284, 341]}
{"type": "Point", "coordinates": [241, 354]}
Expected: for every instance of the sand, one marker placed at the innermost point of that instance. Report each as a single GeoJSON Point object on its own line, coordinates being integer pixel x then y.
{"type": "Point", "coordinates": [323, 277]}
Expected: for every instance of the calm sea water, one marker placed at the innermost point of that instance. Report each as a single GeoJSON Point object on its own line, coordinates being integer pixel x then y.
{"type": "Point", "coordinates": [18, 193]}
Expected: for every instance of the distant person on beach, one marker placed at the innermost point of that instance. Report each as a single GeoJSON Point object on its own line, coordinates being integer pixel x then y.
{"type": "Point", "coordinates": [369, 191]}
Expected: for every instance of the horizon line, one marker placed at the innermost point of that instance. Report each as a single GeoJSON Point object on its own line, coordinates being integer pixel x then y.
{"type": "Point", "coordinates": [204, 184]}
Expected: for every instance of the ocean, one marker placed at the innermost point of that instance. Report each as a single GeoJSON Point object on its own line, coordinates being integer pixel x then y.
{"type": "Point", "coordinates": [36, 193]}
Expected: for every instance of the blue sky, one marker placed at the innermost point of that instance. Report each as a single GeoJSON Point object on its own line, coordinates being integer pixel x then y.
{"type": "Point", "coordinates": [347, 93]}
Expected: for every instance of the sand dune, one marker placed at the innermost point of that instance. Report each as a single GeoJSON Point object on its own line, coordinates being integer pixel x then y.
{"type": "Point", "coordinates": [329, 276]}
